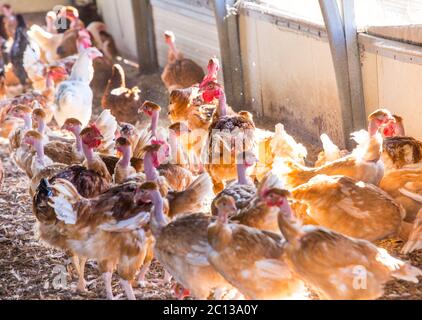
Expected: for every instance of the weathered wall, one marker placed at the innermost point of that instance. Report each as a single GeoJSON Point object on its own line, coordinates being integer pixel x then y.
{"type": "Point", "coordinates": [289, 77]}
{"type": "Point", "coordinates": [28, 6]}
{"type": "Point", "coordinates": [194, 27]}
{"type": "Point", "coordinates": [395, 85]}
{"type": "Point", "coordinates": [118, 16]}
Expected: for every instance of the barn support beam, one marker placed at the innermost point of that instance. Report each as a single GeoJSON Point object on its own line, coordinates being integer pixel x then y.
{"type": "Point", "coordinates": [228, 34]}
{"type": "Point", "coordinates": [355, 70]}
{"type": "Point", "coordinates": [339, 51]}
{"type": "Point", "coordinates": [145, 38]}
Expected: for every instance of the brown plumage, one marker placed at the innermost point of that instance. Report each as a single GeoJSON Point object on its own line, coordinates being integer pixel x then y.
{"type": "Point", "coordinates": [179, 72]}
{"type": "Point", "coordinates": [405, 186]}
{"type": "Point", "coordinates": [122, 101]}
{"type": "Point", "coordinates": [339, 267]}
{"type": "Point", "coordinates": [107, 228]}
{"type": "Point", "coordinates": [401, 151]}
{"type": "Point", "coordinates": [253, 261]}
{"type": "Point", "coordinates": [370, 171]}
{"type": "Point", "coordinates": [352, 208]}
{"type": "Point", "coordinates": [63, 152]}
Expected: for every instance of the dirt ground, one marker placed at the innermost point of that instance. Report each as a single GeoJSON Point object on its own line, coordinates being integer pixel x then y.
{"type": "Point", "coordinates": [30, 270]}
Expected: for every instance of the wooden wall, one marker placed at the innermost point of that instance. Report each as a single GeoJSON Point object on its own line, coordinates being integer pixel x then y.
{"type": "Point", "coordinates": [290, 77]}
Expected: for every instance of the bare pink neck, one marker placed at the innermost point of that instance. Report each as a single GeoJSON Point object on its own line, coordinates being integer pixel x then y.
{"type": "Point", "coordinates": [173, 49]}
{"type": "Point", "coordinates": [39, 149]}
{"type": "Point", "coordinates": [89, 153]}
{"type": "Point", "coordinates": [125, 160]}
{"type": "Point", "coordinates": [28, 121]}
{"type": "Point", "coordinates": [154, 123]}
{"type": "Point", "coordinates": [149, 168]}
{"type": "Point", "coordinates": [41, 126]}
{"type": "Point", "coordinates": [373, 127]}
{"type": "Point", "coordinates": [241, 174]}
{"type": "Point", "coordinates": [158, 216]}
{"type": "Point", "coordinates": [76, 133]}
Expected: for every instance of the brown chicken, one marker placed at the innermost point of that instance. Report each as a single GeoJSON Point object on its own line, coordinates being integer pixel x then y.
{"type": "Point", "coordinates": [181, 246]}
{"type": "Point", "coordinates": [122, 101]}
{"type": "Point", "coordinates": [364, 164]}
{"type": "Point", "coordinates": [349, 207]}
{"type": "Point", "coordinates": [107, 228]}
{"type": "Point", "coordinates": [227, 133]}
{"type": "Point", "coordinates": [405, 186]}
{"type": "Point", "coordinates": [179, 72]}
{"type": "Point", "coordinates": [253, 261]}
{"type": "Point", "coordinates": [336, 266]}
{"type": "Point", "coordinates": [399, 149]}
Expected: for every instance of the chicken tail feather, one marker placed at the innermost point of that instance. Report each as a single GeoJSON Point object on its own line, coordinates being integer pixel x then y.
{"type": "Point", "coordinates": [398, 268]}
{"type": "Point", "coordinates": [63, 199]}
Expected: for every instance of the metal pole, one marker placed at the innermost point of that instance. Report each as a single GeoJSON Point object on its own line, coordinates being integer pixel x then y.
{"type": "Point", "coordinates": [355, 71]}
{"type": "Point", "coordinates": [228, 34]}
{"type": "Point", "coordinates": [145, 38]}
{"type": "Point", "coordinates": [337, 40]}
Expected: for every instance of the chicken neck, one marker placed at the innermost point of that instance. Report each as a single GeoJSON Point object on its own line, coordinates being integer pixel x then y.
{"type": "Point", "coordinates": [41, 126]}
{"type": "Point", "coordinates": [28, 121]}
{"type": "Point", "coordinates": [150, 172]}
{"type": "Point", "coordinates": [125, 160]}
{"type": "Point", "coordinates": [241, 174]}
{"type": "Point", "coordinates": [154, 123]}
{"type": "Point", "coordinates": [78, 141]}
{"type": "Point", "coordinates": [88, 153]}
{"type": "Point", "coordinates": [373, 127]}
{"type": "Point", "coordinates": [289, 226]}
{"type": "Point", "coordinates": [159, 220]}
{"type": "Point", "coordinates": [39, 150]}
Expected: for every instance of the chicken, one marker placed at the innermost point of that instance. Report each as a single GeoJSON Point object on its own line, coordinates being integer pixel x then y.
{"type": "Point", "coordinates": [107, 228]}
{"type": "Point", "coordinates": [47, 41]}
{"type": "Point", "coordinates": [103, 40]}
{"type": "Point", "coordinates": [74, 96]}
{"type": "Point", "coordinates": [415, 237]}
{"type": "Point", "coordinates": [400, 150]}
{"type": "Point", "coordinates": [276, 145]}
{"type": "Point", "coordinates": [124, 170]}
{"type": "Point", "coordinates": [179, 72]}
{"type": "Point", "coordinates": [338, 267]}
{"type": "Point", "coordinates": [76, 41]}
{"type": "Point", "coordinates": [243, 189]}
{"type": "Point", "coordinates": [122, 101]}
{"type": "Point", "coordinates": [253, 261]}
{"type": "Point", "coordinates": [21, 112]}
{"type": "Point", "coordinates": [181, 246]}
{"type": "Point", "coordinates": [330, 153]}
{"type": "Point", "coordinates": [349, 207]}
{"type": "Point", "coordinates": [65, 152]}
{"type": "Point", "coordinates": [91, 138]}
{"type": "Point", "coordinates": [43, 75]}
{"type": "Point", "coordinates": [227, 134]}
{"type": "Point", "coordinates": [18, 49]}
{"type": "Point", "coordinates": [364, 164]}
{"type": "Point", "coordinates": [189, 200]}
{"type": "Point", "coordinates": [405, 186]}
{"type": "Point", "coordinates": [38, 160]}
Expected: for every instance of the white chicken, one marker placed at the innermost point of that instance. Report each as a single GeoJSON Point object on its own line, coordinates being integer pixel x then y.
{"type": "Point", "coordinates": [47, 41]}
{"type": "Point", "coordinates": [74, 96]}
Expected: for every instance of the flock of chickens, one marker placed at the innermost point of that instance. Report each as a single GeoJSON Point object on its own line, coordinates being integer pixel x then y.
{"type": "Point", "coordinates": [122, 195]}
